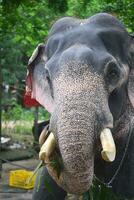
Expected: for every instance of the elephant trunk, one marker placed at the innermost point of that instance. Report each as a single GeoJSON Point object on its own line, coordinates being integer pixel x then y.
{"type": "Point", "coordinates": [79, 102]}
{"type": "Point", "coordinates": [76, 142]}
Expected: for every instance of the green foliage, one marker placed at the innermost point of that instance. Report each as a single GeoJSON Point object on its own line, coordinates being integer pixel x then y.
{"type": "Point", "coordinates": [86, 196]}
{"type": "Point", "coordinates": [17, 113]}
{"type": "Point", "coordinates": [123, 9]}
{"type": "Point", "coordinates": [83, 8]}
{"type": "Point", "coordinates": [22, 129]}
{"type": "Point", "coordinates": [99, 191]}
{"type": "Point", "coordinates": [23, 114]}
{"type": "Point", "coordinates": [56, 164]}
{"type": "Point", "coordinates": [58, 5]}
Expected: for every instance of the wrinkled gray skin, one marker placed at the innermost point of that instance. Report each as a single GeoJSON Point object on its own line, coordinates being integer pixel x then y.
{"type": "Point", "coordinates": [84, 77]}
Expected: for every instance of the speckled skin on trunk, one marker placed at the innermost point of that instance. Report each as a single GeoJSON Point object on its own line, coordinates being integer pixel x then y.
{"type": "Point", "coordinates": [84, 76]}
{"type": "Point", "coordinates": [76, 117]}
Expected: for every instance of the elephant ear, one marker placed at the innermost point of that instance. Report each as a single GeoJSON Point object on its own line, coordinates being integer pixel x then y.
{"type": "Point", "coordinates": [131, 74]}
{"type": "Point", "coordinates": [37, 54]}
{"type": "Point", "coordinates": [41, 89]}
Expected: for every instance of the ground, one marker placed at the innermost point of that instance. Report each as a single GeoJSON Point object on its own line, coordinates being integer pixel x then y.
{"type": "Point", "coordinates": [20, 133]}
{"type": "Point", "coordinates": [11, 193]}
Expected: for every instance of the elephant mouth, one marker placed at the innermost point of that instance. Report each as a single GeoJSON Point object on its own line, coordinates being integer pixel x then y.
{"type": "Point", "coordinates": [50, 156]}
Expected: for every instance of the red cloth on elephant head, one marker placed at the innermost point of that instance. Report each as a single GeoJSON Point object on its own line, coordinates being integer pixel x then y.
{"type": "Point", "coordinates": [28, 101]}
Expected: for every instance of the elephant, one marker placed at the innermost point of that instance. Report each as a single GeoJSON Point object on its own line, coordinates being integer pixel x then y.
{"type": "Point", "coordinates": [83, 75]}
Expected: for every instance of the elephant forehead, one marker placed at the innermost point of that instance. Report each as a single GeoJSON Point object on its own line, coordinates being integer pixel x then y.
{"type": "Point", "coordinates": [101, 19]}
{"type": "Point", "coordinates": [57, 43]}
{"type": "Point", "coordinates": [103, 34]}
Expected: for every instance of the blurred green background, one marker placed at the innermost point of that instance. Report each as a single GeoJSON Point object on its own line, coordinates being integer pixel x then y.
{"type": "Point", "coordinates": [24, 24]}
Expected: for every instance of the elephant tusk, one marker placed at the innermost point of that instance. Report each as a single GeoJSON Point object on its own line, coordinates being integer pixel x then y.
{"type": "Point", "coordinates": [43, 136]}
{"type": "Point", "coordinates": [48, 147]}
{"type": "Point", "coordinates": [108, 146]}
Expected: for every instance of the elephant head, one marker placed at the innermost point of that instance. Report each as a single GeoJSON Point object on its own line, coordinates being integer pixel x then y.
{"type": "Point", "coordinates": [84, 76]}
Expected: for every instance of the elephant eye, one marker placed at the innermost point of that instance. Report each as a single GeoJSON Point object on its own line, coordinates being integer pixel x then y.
{"type": "Point", "coordinates": [112, 74]}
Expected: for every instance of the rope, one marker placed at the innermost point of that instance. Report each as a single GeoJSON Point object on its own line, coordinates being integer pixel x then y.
{"type": "Point", "coordinates": [14, 164]}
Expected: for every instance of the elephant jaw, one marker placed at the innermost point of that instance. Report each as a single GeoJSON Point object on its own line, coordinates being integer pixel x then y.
{"type": "Point", "coordinates": [73, 183]}
{"type": "Point", "coordinates": [76, 178]}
